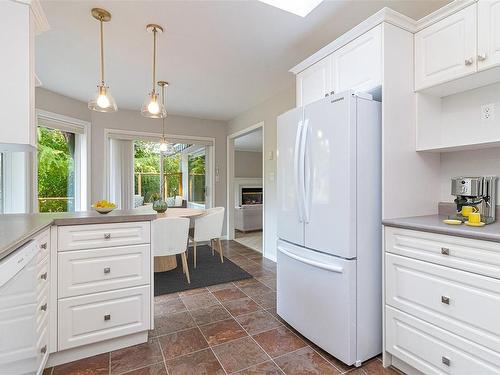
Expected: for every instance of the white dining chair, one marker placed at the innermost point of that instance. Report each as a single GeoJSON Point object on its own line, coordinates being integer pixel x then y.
{"type": "Point", "coordinates": [209, 228]}
{"type": "Point", "coordinates": [170, 237]}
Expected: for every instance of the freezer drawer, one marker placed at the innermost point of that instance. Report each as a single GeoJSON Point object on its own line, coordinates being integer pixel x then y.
{"type": "Point", "coordinates": [317, 296]}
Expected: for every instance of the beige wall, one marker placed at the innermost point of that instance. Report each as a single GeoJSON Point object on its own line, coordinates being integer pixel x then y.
{"type": "Point", "coordinates": [267, 112]}
{"type": "Point", "coordinates": [248, 164]}
{"type": "Point", "coordinates": [132, 120]}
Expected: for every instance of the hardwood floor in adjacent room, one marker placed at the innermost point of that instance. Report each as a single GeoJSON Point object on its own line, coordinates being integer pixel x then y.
{"type": "Point", "coordinates": [228, 328]}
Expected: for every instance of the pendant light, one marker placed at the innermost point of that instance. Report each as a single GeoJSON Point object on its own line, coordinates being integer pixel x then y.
{"type": "Point", "coordinates": [152, 107]}
{"type": "Point", "coordinates": [164, 145]}
{"type": "Point", "coordinates": [102, 101]}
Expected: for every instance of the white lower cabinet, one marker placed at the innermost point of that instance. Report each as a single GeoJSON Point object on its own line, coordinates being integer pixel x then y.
{"type": "Point", "coordinates": [101, 316]}
{"type": "Point", "coordinates": [442, 302]}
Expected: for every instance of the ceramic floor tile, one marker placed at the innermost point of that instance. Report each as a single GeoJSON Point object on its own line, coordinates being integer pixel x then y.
{"type": "Point", "coordinates": [192, 292]}
{"type": "Point", "coordinates": [96, 365]}
{"type": "Point", "coordinates": [258, 321]}
{"type": "Point", "coordinates": [334, 361]}
{"type": "Point", "coordinates": [166, 297]}
{"type": "Point", "coordinates": [279, 341]}
{"type": "Point", "coordinates": [246, 282]}
{"type": "Point", "coordinates": [223, 331]}
{"type": "Point", "coordinates": [269, 281]}
{"type": "Point", "coordinates": [210, 314]}
{"type": "Point", "coordinates": [182, 343]}
{"type": "Point", "coordinates": [47, 371]}
{"type": "Point", "coordinates": [135, 357]}
{"type": "Point", "coordinates": [170, 306]}
{"type": "Point", "coordinates": [172, 323]}
{"type": "Point", "coordinates": [375, 367]}
{"type": "Point", "coordinates": [239, 354]}
{"type": "Point", "coordinates": [266, 368]}
{"type": "Point", "coordinates": [305, 362]}
{"type": "Point", "coordinates": [255, 289]}
{"type": "Point", "coordinates": [157, 369]}
{"type": "Point", "coordinates": [266, 300]}
{"type": "Point", "coordinates": [199, 301]}
{"type": "Point", "coordinates": [229, 294]}
{"type": "Point", "coordinates": [215, 287]}
{"type": "Point", "coordinates": [241, 306]}
{"type": "Point", "coordinates": [198, 363]}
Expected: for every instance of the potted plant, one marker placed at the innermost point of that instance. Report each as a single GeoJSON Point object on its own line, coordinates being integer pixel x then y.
{"type": "Point", "coordinates": [159, 205]}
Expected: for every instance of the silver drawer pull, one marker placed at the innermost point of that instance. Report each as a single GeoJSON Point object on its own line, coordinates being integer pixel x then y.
{"type": "Point", "coordinates": [469, 61]}
{"type": "Point", "coordinates": [107, 270]}
{"type": "Point", "coordinates": [445, 251]}
{"type": "Point", "coordinates": [43, 246]}
{"type": "Point", "coordinates": [107, 317]}
{"type": "Point", "coordinates": [446, 361]}
{"type": "Point", "coordinates": [445, 300]}
{"type": "Point", "coordinates": [107, 236]}
{"type": "Point", "coordinates": [44, 349]}
{"type": "Point", "coordinates": [43, 276]}
{"type": "Point", "coordinates": [44, 307]}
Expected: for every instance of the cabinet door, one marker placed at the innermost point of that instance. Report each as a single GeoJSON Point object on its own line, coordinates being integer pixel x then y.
{"type": "Point", "coordinates": [488, 51]}
{"type": "Point", "coordinates": [314, 82]}
{"type": "Point", "coordinates": [447, 49]}
{"type": "Point", "coordinates": [358, 65]}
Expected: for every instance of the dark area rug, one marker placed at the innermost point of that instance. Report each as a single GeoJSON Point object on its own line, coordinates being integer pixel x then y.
{"type": "Point", "coordinates": [209, 271]}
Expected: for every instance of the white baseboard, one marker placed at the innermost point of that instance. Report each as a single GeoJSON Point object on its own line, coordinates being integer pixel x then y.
{"type": "Point", "coordinates": [90, 350]}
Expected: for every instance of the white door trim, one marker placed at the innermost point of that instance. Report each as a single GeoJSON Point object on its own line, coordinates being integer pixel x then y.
{"type": "Point", "coordinates": [230, 180]}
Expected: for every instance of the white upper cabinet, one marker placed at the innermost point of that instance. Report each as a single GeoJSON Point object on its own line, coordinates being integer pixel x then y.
{"type": "Point", "coordinates": [314, 82]}
{"type": "Point", "coordinates": [446, 50]}
{"type": "Point", "coordinates": [358, 64]}
{"type": "Point", "coordinates": [488, 51]}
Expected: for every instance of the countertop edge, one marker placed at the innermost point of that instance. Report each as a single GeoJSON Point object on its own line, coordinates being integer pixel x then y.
{"type": "Point", "coordinates": [448, 231]}
{"type": "Point", "coordinates": [13, 246]}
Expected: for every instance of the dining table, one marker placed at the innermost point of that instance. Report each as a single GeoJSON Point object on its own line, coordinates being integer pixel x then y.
{"type": "Point", "coordinates": [169, 262]}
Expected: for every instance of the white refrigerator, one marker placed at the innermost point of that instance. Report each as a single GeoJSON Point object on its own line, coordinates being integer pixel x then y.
{"type": "Point", "coordinates": [329, 224]}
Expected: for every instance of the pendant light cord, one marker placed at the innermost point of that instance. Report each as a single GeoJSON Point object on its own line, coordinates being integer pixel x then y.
{"type": "Point", "coordinates": [154, 59]}
{"type": "Point", "coordinates": [163, 118]}
{"type": "Point", "coordinates": [102, 52]}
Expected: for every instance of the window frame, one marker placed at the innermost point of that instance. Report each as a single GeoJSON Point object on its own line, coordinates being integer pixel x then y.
{"type": "Point", "coordinates": [82, 131]}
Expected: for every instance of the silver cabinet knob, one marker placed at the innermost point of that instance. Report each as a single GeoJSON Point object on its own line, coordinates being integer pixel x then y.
{"type": "Point", "coordinates": [446, 361]}
{"type": "Point", "coordinates": [107, 269]}
{"type": "Point", "coordinates": [445, 300]}
{"type": "Point", "coordinates": [445, 251]}
{"type": "Point", "coordinates": [43, 246]}
{"type": "Point", "coordinates": [107, 236]}
{"type": "Point", "coordinates": [44, 307]}
{"type": "Point", "coordinates": [469, 61]}
{"type": "Point", "coordinates": [44, 349]}
{"type": "Point", "coordinates": [43, 276]}
{"type": "Point", "coordinates": [107, 317]}
{"type": "Point", "coordinates": [482, 57]}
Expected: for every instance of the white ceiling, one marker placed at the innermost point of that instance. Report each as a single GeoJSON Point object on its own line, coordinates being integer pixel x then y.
{"type": "Point", "coordinates": [220, 57]}
{"type": "Point", "coordinates": [249, 142]}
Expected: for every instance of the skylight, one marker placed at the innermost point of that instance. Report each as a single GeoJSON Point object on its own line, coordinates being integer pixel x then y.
{"type": "Point", "coordinates": [299, 7]}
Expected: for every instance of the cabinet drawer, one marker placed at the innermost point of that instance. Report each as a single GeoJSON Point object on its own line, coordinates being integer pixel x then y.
{"type": "Point", "coordinates": [91, 271]}
{"type": "Point", "coordinates": [462, 302]}
{"type": "Point", "coordinates": [43, 243]}
{"type": "Point", "coordinates": [77, 237]}
{"type": "Point", "coordinates": [482, 257]}
{"type": "Point", "coordinates": [102, 316]}
{"type": "Point", "coordinates": [433, 350]}
{"type": "Point", "coordinates": [42, 277]}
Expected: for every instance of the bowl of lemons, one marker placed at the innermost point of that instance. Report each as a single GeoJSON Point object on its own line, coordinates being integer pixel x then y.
{"type": "Point", "coordinates": [104, 206]}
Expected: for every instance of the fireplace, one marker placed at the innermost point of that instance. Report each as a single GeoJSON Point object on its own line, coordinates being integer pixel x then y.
{"type": "Point", "coordinates": [251, 195]}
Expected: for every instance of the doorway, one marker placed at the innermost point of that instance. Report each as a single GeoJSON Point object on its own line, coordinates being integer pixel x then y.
{"type": "Point", "coordinates": [246, 187]}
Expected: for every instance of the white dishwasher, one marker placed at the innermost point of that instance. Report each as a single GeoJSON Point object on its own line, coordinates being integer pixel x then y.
{"type": "Point", "coordinates": [19, 352]}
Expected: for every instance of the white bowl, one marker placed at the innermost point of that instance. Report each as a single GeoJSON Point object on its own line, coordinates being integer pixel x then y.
{"type": "Point", "coordinates": [103, 210]}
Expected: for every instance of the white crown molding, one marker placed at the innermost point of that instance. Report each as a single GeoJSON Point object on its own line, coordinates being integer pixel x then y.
{"type": "Point", "coordinates": [443, 12]}
{"type": "Point", "coordinates": [41, 22]}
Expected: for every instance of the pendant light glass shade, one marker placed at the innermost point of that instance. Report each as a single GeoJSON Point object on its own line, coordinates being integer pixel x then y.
{"type": "Point", "coordinates": [152, 106]}
{"type": "Point", "coordinates": [165, 147]}
{"type": "Point", "coordinates": [102, 101]}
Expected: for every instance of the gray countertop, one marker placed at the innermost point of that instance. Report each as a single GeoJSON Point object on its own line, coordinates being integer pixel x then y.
{"type": "Point", "coordinates": [17, 229]}
{"type": "Point", "coordinates": [434, 224]}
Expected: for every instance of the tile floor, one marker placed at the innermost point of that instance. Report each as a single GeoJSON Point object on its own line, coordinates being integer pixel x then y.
{"type": "Point", "coordinates": [253, 239]}
{"type": "Point", "coordinates": [229, 328]}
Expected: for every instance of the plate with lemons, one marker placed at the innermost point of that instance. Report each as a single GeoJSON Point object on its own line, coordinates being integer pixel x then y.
{"type": "Point", "coordinates": [104, 206]}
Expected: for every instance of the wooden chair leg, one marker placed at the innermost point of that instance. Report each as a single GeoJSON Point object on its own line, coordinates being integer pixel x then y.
{"type": "Point", "coordinates": [185, 265]}
{"type": "Point", "coordinates": [194, 253]}
{"type": "Point", "coordinates": [212, 244]}
{"type": "Point", "coordinates": [219, 245]}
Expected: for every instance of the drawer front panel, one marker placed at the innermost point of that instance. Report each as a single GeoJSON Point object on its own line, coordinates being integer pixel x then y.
{"type": "Point", "coordinates": [97, 317]}
{"type": "Point", "coordinates": [78, 237]}
{"type": "Point", "coordinates": [433, 350]}
{"type": "Point", "coordinates": [43, 277]}
{"type": "Point", "coordinates": [482, 257]}
{"type": "Point", "coordinates": [92, 271]}
{"type": "Point", "coordinates": [43, 243]}
{"type": "Point", "coordinates": [462, 302]}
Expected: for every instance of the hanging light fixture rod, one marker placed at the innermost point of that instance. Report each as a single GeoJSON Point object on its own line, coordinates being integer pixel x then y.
{"type": "Point", "coordinates": [102, 15]}
{"type": "Point", "coordinates": [154, 28]}
{"type": "Point", "coordinates": [152, 108]}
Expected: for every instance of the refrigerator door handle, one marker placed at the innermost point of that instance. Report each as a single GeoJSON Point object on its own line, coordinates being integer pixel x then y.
{"type": "Point", "coordinates": [327, 267]}
{"type": "Point", "coordinates": [296, 166]}
{"type": "Point", "coordinates": [302, 185]}
{"type": "Point", "coordinates": [307, 171]}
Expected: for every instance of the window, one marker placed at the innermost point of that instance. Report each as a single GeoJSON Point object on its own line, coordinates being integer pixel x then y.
{"type": "Point", "coordinates": [196, 166]}
{"type": "Point", "coordinates": [62, 167]}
